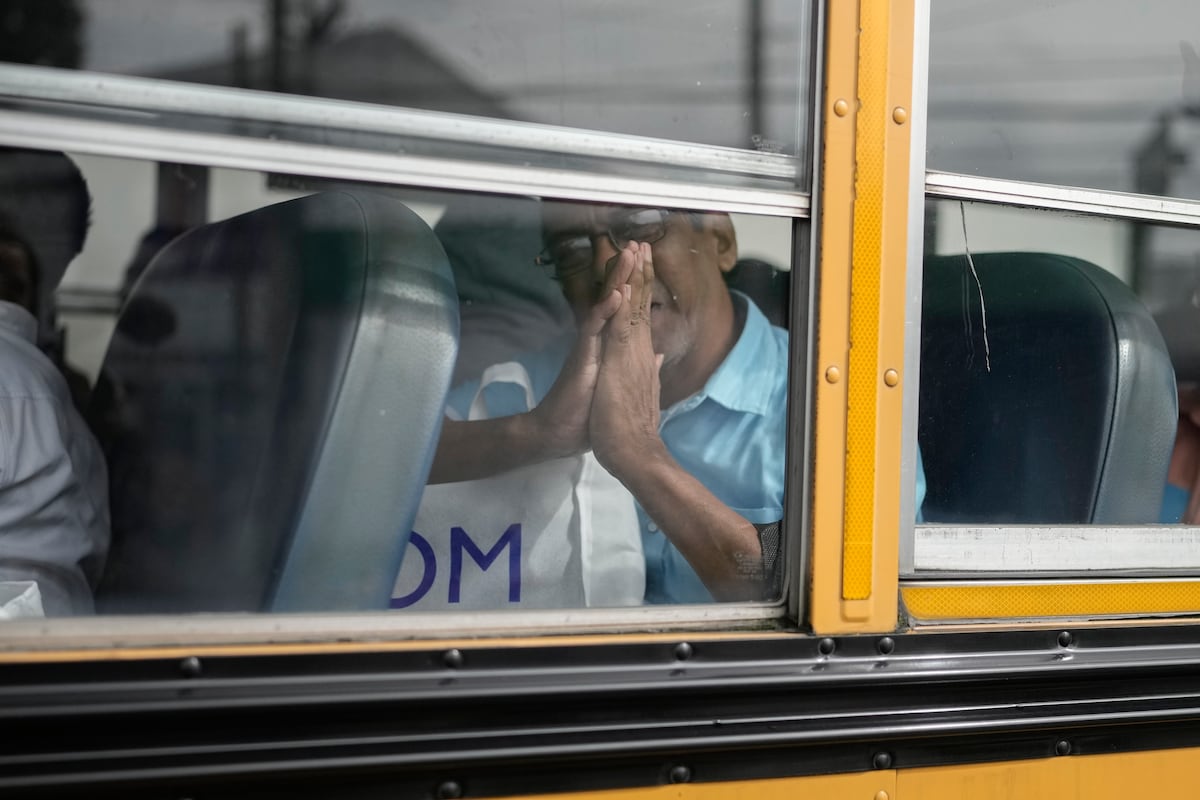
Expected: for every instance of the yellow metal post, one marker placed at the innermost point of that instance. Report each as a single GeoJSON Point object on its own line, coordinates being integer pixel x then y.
{"type": "Point", "coordinates": [860, 349]}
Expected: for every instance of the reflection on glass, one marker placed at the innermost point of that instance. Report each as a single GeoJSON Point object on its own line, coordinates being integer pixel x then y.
{"type": "Point", "coordinates": [1047, 389]}
{"type": "Point", "coordinates": [676, 470]}
{"type": "Point", "coordinates": [269, 369]}
{"type": "Point", "coordinates": [1088, 94]}
{"type": "Point", "coordinates": [714, 72]}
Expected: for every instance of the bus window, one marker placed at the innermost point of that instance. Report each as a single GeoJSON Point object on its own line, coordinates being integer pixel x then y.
{"type": "Point", "coordinates": [1024, 91]}
{"type": "Point", "coordinates": [1057, 323]}
{"type": "Point", "coordinates": [1051, 349]}
{"type": "Point", "coordinates": [250, 405]}
{"type": "Point", "coordinates": [993, 325]}
{"type": "Point", "coordinates": [271, 358]}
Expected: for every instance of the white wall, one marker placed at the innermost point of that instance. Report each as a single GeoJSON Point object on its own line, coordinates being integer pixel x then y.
{"type": "Point", "coordinates": [766, 238]}
{"type": "Point", "coordinates": [993, 228]}
{"type": "Point", "coordinates": [122, 211]}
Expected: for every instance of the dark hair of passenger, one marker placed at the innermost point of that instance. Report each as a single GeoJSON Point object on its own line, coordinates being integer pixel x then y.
{"type": "Point", "coordinates": [45, 197]}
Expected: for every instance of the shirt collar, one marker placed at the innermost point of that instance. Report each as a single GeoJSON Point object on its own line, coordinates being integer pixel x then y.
{"type": "Point", "coordinates": [17, 321]}
{"type": "Point", "coordinates": [738, 383]}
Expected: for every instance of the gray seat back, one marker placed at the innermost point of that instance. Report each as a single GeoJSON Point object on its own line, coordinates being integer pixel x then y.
{"type": "Point", "coordinates": [1074, 422]}
{"type": "Point", "coordinates": [276, 386]}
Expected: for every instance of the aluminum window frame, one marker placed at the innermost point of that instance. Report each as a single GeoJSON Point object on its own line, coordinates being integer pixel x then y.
{"type": "Point", "coordinates": [935, 552]}
{"type": "Point", "coordinates": [40, 100]}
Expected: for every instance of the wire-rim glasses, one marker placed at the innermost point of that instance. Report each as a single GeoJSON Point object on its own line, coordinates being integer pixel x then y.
{"type": "Point", "coordinates": [569, 255]}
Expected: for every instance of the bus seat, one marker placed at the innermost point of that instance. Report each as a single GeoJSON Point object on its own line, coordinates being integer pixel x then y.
{"type": "Point", "coordinates": [276, 423]}
{"type": "Point", "coordinates": [767, 286]}
{"type": "Point", "coordinates": [1075, 420]}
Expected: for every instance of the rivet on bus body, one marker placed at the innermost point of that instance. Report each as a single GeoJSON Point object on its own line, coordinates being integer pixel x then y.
{"type": "Point", "coordinates": [1062, 747]}
{"type": "Point", "coordinates": [900, 115]}
{"type": "Point", "coordinates": [882, 761]}
{"type": "Point", "coordinates": [453, 658]}
{"type": "Point", "coordinates": [450, 790]}
{"type": "Point", "coordinates": [680, 774]}
{"type": "Point", "coordinates": [891, 377]}
{"type": "Point", "coordinates": [833, 375]}
{"type": "Point", "coordinates": [841, 108]}
{"type": "Point", "coordinates": [683, 651]}
{"type": "Point", "coordinates": [881, 795]}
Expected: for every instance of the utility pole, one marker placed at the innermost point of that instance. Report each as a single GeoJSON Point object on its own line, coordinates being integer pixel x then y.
{"type": "Point", "coordinates": [1155, 162]}
{"type": "Point", "coordinates": [754, 70]}
{"type": "Point", "coordinates": [277, 24]}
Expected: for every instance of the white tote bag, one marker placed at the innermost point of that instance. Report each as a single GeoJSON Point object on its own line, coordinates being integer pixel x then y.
{"type": "Point", "coordinates": [560, 534]}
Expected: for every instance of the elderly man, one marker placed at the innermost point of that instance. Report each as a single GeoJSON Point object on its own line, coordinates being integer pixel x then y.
{"type": "Point", "coordinates": [677, 385]}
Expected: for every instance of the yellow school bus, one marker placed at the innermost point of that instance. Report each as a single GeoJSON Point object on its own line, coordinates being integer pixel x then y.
{"type": "Point", "coordinates": [314, 226]}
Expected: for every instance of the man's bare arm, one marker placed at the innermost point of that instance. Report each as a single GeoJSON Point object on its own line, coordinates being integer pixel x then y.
{"type": "Point", "coordinates": [1184, 470]}
{"type": "Point", "coordinates": [471, 450]}
{"type": "Point", "coordinates": [721, 546]}
{"type": "Point", "coordinates": [558, 427]}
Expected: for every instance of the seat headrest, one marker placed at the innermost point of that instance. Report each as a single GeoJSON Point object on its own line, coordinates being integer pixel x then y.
{"type": "Point", "coordinates": [767, 286]}
{"type": "Point", "coordinates": [281, 377]}
{"type": "Point", "coordinates": [1052, 401]}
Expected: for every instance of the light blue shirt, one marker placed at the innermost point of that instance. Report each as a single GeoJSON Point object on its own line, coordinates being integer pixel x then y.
{"type": "Point", "coordinates": [1174, 504]}
{"type": "Point", "coordinates": [730, 436]}
{"type": "Point", "coordinates": [920, 491]}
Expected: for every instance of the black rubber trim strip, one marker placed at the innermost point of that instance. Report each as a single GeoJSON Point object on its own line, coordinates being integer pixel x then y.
{"type": "Point", "coordinates": [494, 721]}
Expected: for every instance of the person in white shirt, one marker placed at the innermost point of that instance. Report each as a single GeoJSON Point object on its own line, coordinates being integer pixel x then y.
{"type": "Point", "coordinates": [54, 520]}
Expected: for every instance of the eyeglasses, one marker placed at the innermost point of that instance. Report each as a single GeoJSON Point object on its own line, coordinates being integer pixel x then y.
{"type": "Point", "coordinates": [570, 255]}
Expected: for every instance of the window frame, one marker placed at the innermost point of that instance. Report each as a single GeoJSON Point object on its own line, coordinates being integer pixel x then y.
{"type": "Point", "coordinates": [137, 118]}
{"type": "Point", "coordinates": [936, 559]}
{"type": "Point", "coordinates": [935, 552]}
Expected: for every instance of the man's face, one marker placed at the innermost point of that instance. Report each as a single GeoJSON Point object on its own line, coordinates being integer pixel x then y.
{"type": "Point", "coordinates": [689, 261]}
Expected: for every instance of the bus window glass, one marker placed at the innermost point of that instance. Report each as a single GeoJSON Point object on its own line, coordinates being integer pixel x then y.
{"type": "Point", "coordinates": [717, 73]}
{"type": "Point", "coordinates": [265, 361]}
{"type": "Point", "coordinates": [1091, 94]}
{"type": "Point", "coordinates": [1051, 349]}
